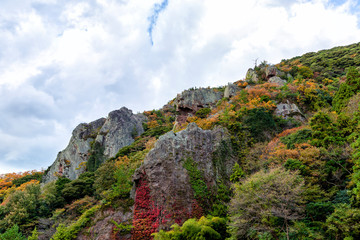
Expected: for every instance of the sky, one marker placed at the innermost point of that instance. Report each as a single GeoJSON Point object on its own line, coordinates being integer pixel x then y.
{"type": "Point", "coordinates": [67, 62]}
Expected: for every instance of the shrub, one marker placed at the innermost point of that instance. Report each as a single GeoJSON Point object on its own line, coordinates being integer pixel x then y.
{"type": "Point", "coordinates": [12, 233]}
{"type": "Point", "coordinates": [210, 228]}
{"type": "Point", "coordinates": [203, 112]}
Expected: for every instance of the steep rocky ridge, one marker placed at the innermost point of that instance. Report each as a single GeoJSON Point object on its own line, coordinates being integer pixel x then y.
{"type": "Point", "coordinates": [112, 133]}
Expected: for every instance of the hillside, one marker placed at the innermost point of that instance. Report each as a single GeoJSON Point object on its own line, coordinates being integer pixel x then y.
{"type": "Point", "coordinates": [272, 156]}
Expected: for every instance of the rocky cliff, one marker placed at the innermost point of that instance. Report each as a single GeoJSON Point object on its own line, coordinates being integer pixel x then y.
{"type": "Point", "coordinates": [176, 168]}
{"type": "Point", "coordinates": [110, 134]}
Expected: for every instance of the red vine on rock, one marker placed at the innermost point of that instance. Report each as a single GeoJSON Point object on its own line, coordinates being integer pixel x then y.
{"type": "Point", "coordinates": [146, 215]}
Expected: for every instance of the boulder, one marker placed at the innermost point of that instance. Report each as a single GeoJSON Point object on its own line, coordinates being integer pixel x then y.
{"type": "Point", "coordinates": [112, 133]}
{"type": "Point", "coordinates": [231, 90]}
{"type": "Point", "coordinates": [168, 181]}
{"type": "Point", "coordinates": [288, 109]}
{"type": "Point", "coordinates": [277, 80]}
{"type": "Point", "coordinates": [193, 99]}
{"type": "Point", "coordinates": [271, 71]}
{"type": "Point", "coordinates": [251, 76]}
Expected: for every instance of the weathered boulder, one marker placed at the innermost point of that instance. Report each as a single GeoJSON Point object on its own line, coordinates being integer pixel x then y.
{"type": "Point", "coordinates": [163, 171]}
{"type": "Point", "coordinates": [288, 109]}
{"type": "Point", "coordinates": [251, 76]}
{"type": "Point", "coordinates": [193, 99]}
{"type": "Point", "coordinates": [231, 90]}
{"type": "Point", "coordinates": [112, 133]}
{"type": "Point", "coordinates": [190, 101]}
{"type": "Point", "coordinates": [271, 71]}
{"type": "Point", "coordinates": [277, 80]}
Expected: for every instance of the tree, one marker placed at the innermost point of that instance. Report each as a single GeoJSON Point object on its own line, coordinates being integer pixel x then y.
{"type": "Point", "coordinates": [344, 223]}
{"type": "Point", "coordinates": [12, 233]}
{"type": "Point", "coordinates": [265, 198]}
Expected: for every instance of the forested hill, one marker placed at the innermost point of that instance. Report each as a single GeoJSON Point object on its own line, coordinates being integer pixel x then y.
{"type": "Point", "coordinates": [275, 155]}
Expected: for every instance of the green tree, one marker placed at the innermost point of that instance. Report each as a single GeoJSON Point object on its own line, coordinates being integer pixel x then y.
{"type": "Point", "coordinates": [264, 199]}
{"type": "Point", "coordinates": [22, 207]}
{"type": "Point", "coordinates": [347, 89]}
{"type": "Point", "coordinates": [12, 233]}
{"type": "Point", "coordinates": [78, 188]}
{"type": "Point", "coordinates": [34, 235]}
{"type": "Point", "coordinates": [344, 223]}
{"type": "Point", "coordinates": [323, 130]}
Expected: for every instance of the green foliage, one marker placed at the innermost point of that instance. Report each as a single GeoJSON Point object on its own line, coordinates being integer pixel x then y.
{"type": "Point", "coordinates": [261, 123]}
{"type": "Point", "coordinates": [203, 112]}
{"type": "Point", "coordinates": [70, 232]}
{"type": "Point", "coordinates": [157, 131]}
{"type": "Point", "coordinates": [347, 89]}
{"type": "Point", "coordinates": [34, 235]}
{"type": "Point", "coordinates": [326, 63]}
{"type": "Point", "coordinates": [342, 97]}
{"type": "Point", "coordinates": [123, 185]}
{"type": "Point", "coordinates": [35, 176]}
{"type": "Point", "coordinates": [221, 200]}
{"type": "Point", "coordinates": [104, 178]}
{"type": "Point", "coordinates": [305, 72]}
{"type": "Point", "coordinates": [96, 157]}
{"type": "Point", "coordinates": [301, 136]}
{"type": "Point", "coordinates": [78, 188]}
{"type": "Point", "coordinates": [237, 173]}
{"type": "Point", "coordinates": [295, 164]}
{"type": "Point", "coordinates": [323, 130]}
{"type": "Point", "coordinates": [12, 233]}
{"type": "Point", "coordinates": [211, 228]}
{"type": "Point", "coordinates": [197, 180]}
{"type": "Point", "coordinates": [121, 228]}
{"type": "Point", "coordinates": [318, 211]}
{"type": "Point", "coordinates": [265, 201]}
{"type": "Point", "coordinates": [344, 222]}
{"type": "Point", "coordinates": [22, 207]}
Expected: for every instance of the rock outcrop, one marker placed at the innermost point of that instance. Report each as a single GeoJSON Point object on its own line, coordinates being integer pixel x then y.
{"type": "Point", "coordinates": [251, 76]}
{"type": "Point", "coordinates": [267, 72]}
{"type": "Point", "coordinates": [194, 99]}
{"type": "Point", "coordinates": [231, 90]}
{"type": "Point", "coordinates": [190, 101]}
{"type": "Point", "coordinates": [277, 80]}
{"type": "Point", "coordinates": [289, 109]}
{"type": "Point", "coordinates": [104, 227]}
{"type": "Point", "coordinates": [169, 181]}
{"type": "Point", "coordinates": [112, 133]}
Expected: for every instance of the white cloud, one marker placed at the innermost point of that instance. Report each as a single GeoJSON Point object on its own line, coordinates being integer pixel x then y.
{"type": "Point", "coordinates": [62, 63]}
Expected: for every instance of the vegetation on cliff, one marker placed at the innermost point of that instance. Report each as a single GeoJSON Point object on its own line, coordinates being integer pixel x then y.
{"type": "Point", "coordinates": [295, 170]}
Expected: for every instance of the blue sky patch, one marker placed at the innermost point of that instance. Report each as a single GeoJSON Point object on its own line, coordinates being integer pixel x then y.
{"type": "Point", "coordinates": [157, 9]}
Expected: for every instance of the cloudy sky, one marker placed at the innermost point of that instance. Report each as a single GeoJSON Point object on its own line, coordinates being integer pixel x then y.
{"type": "Point", "coordinates": [67, 62]}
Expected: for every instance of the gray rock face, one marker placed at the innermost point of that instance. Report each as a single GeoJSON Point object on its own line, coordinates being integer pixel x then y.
{"type": "Point", "coordinates": [194, 99]}
{"type": "Point", "coordinates": [103, 227]}
{"type": "Point", "coordinates": [289, 110]}
{"type": "Point", "coordinates": [119, 130]}
{"type": "Point", "coordinates": [251, 76]}
{"type": "Point", "coordinates": [113, 133]}
{"type": "Point", "coordinates": [277, 80]}
{"type": "Point", "coordinates": [271, 71]}
{"type": "Point", "coordinates": [230, 90]}
{"type": "Point", "coordinates": [163, 169]}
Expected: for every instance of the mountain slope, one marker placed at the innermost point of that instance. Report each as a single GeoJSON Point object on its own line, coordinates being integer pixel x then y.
{"type": "Point", "coordinates": [275, 156]}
